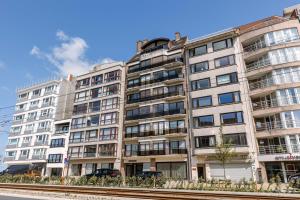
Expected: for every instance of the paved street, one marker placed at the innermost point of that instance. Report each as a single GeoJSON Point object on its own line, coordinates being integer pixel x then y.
{"type": "Point", "coordinates": [14, 198]}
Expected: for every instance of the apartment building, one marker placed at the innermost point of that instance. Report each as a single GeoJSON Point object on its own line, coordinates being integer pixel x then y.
{"type": "Point", "coordinates": [271, 53]}
{"type": "Point", "coordinates": [37, 107]}
{"type": "Point", "coordinates": [218, 99]}
{"type": "Point", "coordinates": [155, 119]}
{"type": "Point", "coordinates": [96, 128]}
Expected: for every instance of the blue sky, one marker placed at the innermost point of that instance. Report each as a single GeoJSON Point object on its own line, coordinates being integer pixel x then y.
{"type": "Point", "coordinates": [39, 39]}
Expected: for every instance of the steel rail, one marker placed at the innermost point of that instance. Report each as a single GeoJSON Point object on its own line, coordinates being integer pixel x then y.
{"type": "Point", "coordinates": [155, 194]}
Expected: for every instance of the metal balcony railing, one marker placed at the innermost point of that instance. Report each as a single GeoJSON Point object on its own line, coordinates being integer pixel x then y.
{"type": "Point", "coordinates": [12, 134]}
{"type": "Point", "coordinates": [40, 130]}
{"type": "Point", "coordinates": [272, 149]}
{"type": "Point", "coordinates": [107, 153]}
{"type": "Point", "coordinates": [163, 46]}
{"type": "Point", "coordinates": [158, 96]}
{"type": "Point", "coordinates": [156, 114]}
{"type": "Point", "coordinates": [6, 159]}
{"type": "Point", "coordinates": [156, 132]}
{"type": "Point", "coordinates": [279, 101]}
{"type": "Point", "coordinates": [28, 132]}
{"type": "Point", "coordinates": [156, 80]}
{"type": "Point", "coordinates": [295, 148]}
{"type": "Point", "coordinates": [41, 143]}
{"type": "Point", "coordinates": [49, 116]}
{"type": "Point", "coordinates": [16, 122]}
{"type": "Point", "coordinates": [258, 64]}
{"type": "Point", "coordinates": [23, 157]}
{"type": "Point", "coordinates": [89, 154]}
{"type": "Point", "coordinates": [26, 144]}
{"type": "Point", "coordinates": [11, 146]}
{"type": "Point", "coordinates": [261, 84]}
{"type": "Point", "coordinates": [141, 68]}
{"type": "Point", "coordinates": [60, 131]}
{"type": "Point", "coordinates": [269, 126]}
{"type": "Point", "coordinates": [38, 157]}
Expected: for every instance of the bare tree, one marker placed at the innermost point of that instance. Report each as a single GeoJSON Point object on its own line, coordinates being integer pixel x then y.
{"type": "Point", "coordinates": [224, 151]}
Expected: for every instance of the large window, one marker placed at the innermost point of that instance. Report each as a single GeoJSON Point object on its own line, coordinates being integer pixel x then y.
{"type": "Point", "coordinates": [227, 78]}
{"type": "Point", "coordinates": [96, 92]}
{"type": "Point", "coordinates": [94, 106]}
{"type": "Point", "coordinates": [203, 121]}
{"type": "Point", "coordinates": [81, 96]}
{"type": "Point", "coordinates": [96, 80]}
{"type": "Point", "coordinates": [55, 158]}
{"type": "Point", "coordinates": [112, 76]}
{"type": "Point", "coordinates": [198, 51]}
{"type": "Point", "coordinates": [202, 102]}
{"type": "Point", "coordinates": [91, 135]}
{"type": "Point", "coordinates": [108, 133]}
{"type": "Point", "coordinates": [111, 103]}
{"type": "Point", "coordinates": [83, 83]}
{"type": "Point", "coordinates": [80, 109]}
{"type": "Point", "coordinates": [199, 67]}
{"type": "Point", "coordinates": [200, 84]}
{"type": "Point", "coordinates": [79, 122]}
{"type": "Point", "coordinates": [172, 169]}
{"type": "Point", "coordinates": [109, 118]}
{"type": "Point", "coordinates": [232, 118]}
{"type": "Point", "coordinates": [284, 35]}
{"type": "Point", "coordinates": [76, 137]}
{"type": "Point", "coordinates": [93, 120]}
{"type": "Point", "coordinates": [237, 139]}
{"type": "Point", "coordinates": [111, 89]}
{"type": "Point", "coordinates": [205, 141]}
{"type": "Point", "coordinates": [60, 142]}
{"type": "Point", "coordinates": [224, 61]}
{"type": "Point", "coordinates": [230, 97]}
{"type": "Point", "coordinates": [223, 44]}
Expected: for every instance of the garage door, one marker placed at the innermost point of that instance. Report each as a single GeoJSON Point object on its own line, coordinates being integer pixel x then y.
{"type": "Point", "coordinates": [234, 172]}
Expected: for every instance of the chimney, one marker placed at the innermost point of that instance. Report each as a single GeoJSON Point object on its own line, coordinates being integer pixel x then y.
{"type": "Point", "coordinates": [177, 36]}
{"type": "Point", "coordinates": [139, 45]}
{"type": "Point", "coordinates": [70, 77]}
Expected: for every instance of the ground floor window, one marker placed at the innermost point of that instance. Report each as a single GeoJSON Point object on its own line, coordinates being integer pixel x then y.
{"type": "Point", "coordinates": [133, 169]}
{"type": "Point", "coordinates": [56, 172]}
{"type": "Point", "coordinates": [76, 169]}
{"type": "Point", "coordinates": [274, 169]}
{"type": "Point", "coordinates": [90, 168]}
{"type": "Point", "coordinates": [172, 169]}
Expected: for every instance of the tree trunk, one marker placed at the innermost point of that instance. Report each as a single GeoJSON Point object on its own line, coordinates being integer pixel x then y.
{"type": "Point", "coordinates": [224, 171]}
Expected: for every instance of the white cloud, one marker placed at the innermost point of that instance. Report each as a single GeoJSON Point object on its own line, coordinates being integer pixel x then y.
{"type": "Point", "coordinates": [69, 56]}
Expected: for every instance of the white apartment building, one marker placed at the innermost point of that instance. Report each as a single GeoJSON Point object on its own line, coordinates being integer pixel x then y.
{"type": "Point", "coordinates": [96, 129]}
{"type": "Point", "coordinates": [37, 107]}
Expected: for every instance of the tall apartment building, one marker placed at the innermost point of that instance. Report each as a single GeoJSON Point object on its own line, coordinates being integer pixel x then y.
{"type": "Point", "coordinates": [37, 108]}
{"type": "Point", "coordinates": [96, 128]}
{"type": "Point", "coordinates": [218, 98]}
{"type": "Point", "coordinates": [271, 52]}
{"type": "Point", "coordinates": [155, 120]}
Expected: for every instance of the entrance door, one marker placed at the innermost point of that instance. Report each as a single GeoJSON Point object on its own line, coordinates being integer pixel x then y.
{"type": "Point", "coordinates": [201, 173]}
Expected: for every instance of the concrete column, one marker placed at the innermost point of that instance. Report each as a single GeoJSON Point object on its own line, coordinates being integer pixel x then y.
{"type": "Point", "coordinates": [152, 164]}
{"type": "Point", "coordinates": [263, 172]}
{"type": "Point", "coordinates": [194, 168]}
{"type": "Point", "coordinates": [284, 172]}
{"type": "Point", "coordinates": [288, 144]}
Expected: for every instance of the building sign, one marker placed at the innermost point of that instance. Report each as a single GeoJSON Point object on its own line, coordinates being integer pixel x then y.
{"type": "Point", "coordinates": [289, 157]}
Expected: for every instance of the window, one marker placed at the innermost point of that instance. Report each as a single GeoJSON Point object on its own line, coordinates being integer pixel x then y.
{"type": "Point", "coordinates": [109, 118]}
{"type": "Point", "coordinates": [94, 106]}
{"type": "Point", "coordinates": [96, 92]}
{"type": "Point", "coordinates": [198, 51]}
{"type": "Point", "coordinates": [111, 89]}
{"type": "Point", "coordinates": [23, 96]}
{"type": "Point", "coordinates": [131, 149]}
{"type": "Point", "coordinates": [46, 112]}
{"type": "Point", "coordinates": [36, 92]}
{"type": "Point", "coordinates": [92, 120]}
{"type": "Point", "coordinates": [83, 83]}
{"type": "Point", "coordinates": [223, 44]}
{"type": "Point", "coordinates": [44, 125]}
{"type": "Point", "coordinates": [232, 118]}
{"type": "Point", "coordinates": [81, 96]}
{"type": "Point", "coordinates": [131, 131]}
{"type": "Point", "coordinates": [237, 139]}
{"type": "Point", "coordinates": [177, 147]}
{"type": "Point", "coordinates": [50, 88]}
{"type": "Point", "coordinates": [91, 135]}
{"type": "Point", "coordinates": [281, 36]}
{"type": "Point", "coordinates": [80, 109]}
{"type": "Point", "coordinates": [176, 124]}
{"type": "Point", "coordinates": [112, 76]}
{"type": "Point", "coordinates": [145, 63]}
{"type": "Point", "coordinates": [107, 149]}
{"type": "Point", "coordinates": [10, 153]}
{"type": "Point", "coordinates": [55, 158]}
{"type": "Point", "coordinates": [20, 107]}
{"type": "Point", "coordinates": [29, 127]}
{"type": "Point", "coordinates": [57, 143]}
{"type": "Point", "coordinates": [111, 103]}
{"type": "Point", "coordinates": [224, 61]}
{"type": "Point", "coordinates": [16, 129]}
{"type": "Point", "coordinates": [231, 97]}
{"type": "Point", "coordinates": [27, 139]}
{"type": "Point", "coordinates": [76, 137]}
{"type": "Point", "coordinates": [200, 84]}
{"type": "Point", "coordinates": [31, 115]}
{"type": "Point", "coordinates": [227, 79]}
{"type": "Point", "coordinates": [172, 169]}
{"type": "Point", "coordinates": [205, 141]}
{"type": "Point", "coordinates": [203, 121]}
{"type": "Point", "coordinates": [18, 117]}
{"type": "Point", "coordinates": [13, 141]}
{"type": "Point", "coordinates": [133, 83]}
{"type": "Point", "coordinates": [96, 80]}
{"type": "Point", "coordinates": [199, 67]}
{"type": "Point", "coordinates": [24, 153]}
{"type": "Point", "coordinates": [202, 102]}
{"type": "Point", "coordinates": [34, 103]}
{"type": "Point", "coordinates": [49, 101]}
{"type": "Point", "coordinates": [108, 133]}
{"type": "Point", "coordinates": [78, 122]}
{"type": "Point", "coordinates": [75, 152]}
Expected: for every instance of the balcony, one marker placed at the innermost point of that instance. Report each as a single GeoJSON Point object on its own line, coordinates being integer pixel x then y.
{"type": "Point", "coordinates": [156, 114]}
{"type": "Point", "coordinates": [156, 80]}
{"type": "Point", "coordinates": [11, 146]}
{"type": "Point", "coordinates": [50, 92]}
{"type": "Point", "coordinates": [26, 144]}
{"type": "Point", "coordinates": [49, 116]}
{"type": "Point", "coordinates": [38, 157]}
{"type": "Point", "coordinates": [76, 140]}
{"type": "Point", "coordinates": [154, 97]}
{"type": "Point", "coordinates": [31, 119]}
{"type": "Point", "coordinates": [258, 64]}
{"type": "Point", "coordinates": [61, 131]}
{"type": "Point", "coordinates": [47, 105]}
{"type": "Point", "coordinates": [151, 152]}
{"type": "Point", "coordinates": [17, 122]}
{"type": "Point", "coordinates": [262, 44]}
{"type": "Point", "coordinates": [28, 132]}
{"type": "Point", "coordinates": [151, 66]}
{"type": "Point", "coordinates": [23, 157]}
{"type": "Point", "coordinates": [272, 149]}
{"type": "Point", "coordinates": [108, 137]}
{"type": "Point", "coordinates": [178, 151]}
{"type": "Point", "coordinates": [164, 46]}
{"type": "Point", "coordinates": [33, 107]}
{"type": "Point", "coordinates": [107, 154]}
{"type": "Point", "coordinates": [13, 134]}
{"type": "Point", "coordinates": [41, 130]}
{"type": "Point", "coordinates": [156, 152]}
{"type": "Point", "coordinates": [19, 100]}
{"type": "Point", "coordinates": [156, 133]}
{"type": "Point", "coordinates": [89, 154]}
{"type": "Point", "coordinates": [7, 159]}
{"type": "Point", "coordinates": [41, 143]}
{"type": "Point", "coordinates": [261, 84]}
{"type": "Point", "coordinates": [20, 110]}
{"type": "Point", "coordinates": [34, 96]}
{"type": "Point", "coordinates": [265, 104]}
